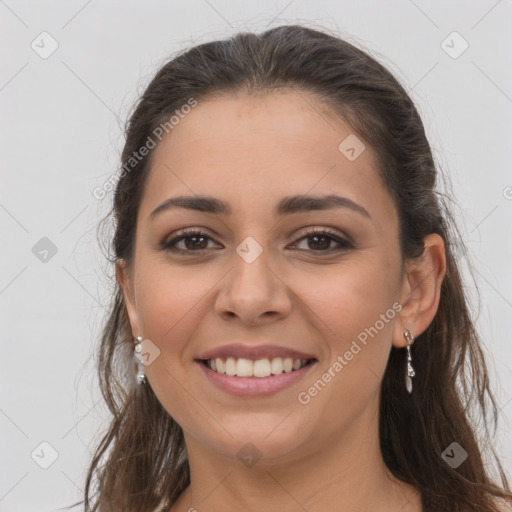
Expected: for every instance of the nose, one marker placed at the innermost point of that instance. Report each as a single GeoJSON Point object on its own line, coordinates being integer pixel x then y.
{"type": "Point", "coordinates": [254, 292]}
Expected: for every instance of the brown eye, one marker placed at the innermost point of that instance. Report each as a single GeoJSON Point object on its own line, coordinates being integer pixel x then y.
{"type": "Point", "coordinates": [317, 240]}
{"type": "Point", "coordinates": [191, 241]}
{"type": "Point", "coordinates": [320, 240]}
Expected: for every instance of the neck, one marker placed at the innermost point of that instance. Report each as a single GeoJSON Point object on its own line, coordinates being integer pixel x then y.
{"type": "Point", "coordinates": [344, 473]}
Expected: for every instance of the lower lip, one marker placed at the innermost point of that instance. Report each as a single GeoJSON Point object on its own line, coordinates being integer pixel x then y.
{"type": "Point", "coordinates": [254, 386]}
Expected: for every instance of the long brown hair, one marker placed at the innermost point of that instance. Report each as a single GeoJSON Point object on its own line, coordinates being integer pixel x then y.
{"type": "Point", "coordinates": [141, 461]}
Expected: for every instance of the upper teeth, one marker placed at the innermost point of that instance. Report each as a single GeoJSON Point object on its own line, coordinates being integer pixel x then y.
{"type": "Point", "coordinates": [260, 368]}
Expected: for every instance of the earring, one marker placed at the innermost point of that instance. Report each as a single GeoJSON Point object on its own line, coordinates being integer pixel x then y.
{"type": "Point", "coordinates": [141, 373]}
{"type": "Point", "coordinates": [410, 373]}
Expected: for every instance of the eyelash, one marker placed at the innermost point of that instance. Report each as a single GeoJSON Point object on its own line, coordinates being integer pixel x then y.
{"type": "Point", "coordinates": [169, 245]}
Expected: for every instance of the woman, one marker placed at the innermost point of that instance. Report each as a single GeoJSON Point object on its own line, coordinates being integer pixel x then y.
{"type": "Point", "coordinates": [288, 286]}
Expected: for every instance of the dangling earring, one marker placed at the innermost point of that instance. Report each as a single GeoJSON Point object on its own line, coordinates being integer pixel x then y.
{"type": "Point", "coordinates": [410, 373]}
{"type": "Point", "coordinates": [141, 373]}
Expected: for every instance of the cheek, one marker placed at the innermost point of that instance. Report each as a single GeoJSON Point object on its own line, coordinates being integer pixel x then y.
{"type": "Point", "coordinates": [170, 309]}
{"type": "Point", "coordinates": [356, 309]}
{"type": "Point", "coordinates": [169, 302]}
{"type": "Point", "coordinates": [353, 297]}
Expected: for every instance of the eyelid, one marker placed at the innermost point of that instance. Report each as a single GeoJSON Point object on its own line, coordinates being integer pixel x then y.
{"type": "Point", "coordinates": [344, 242]}
{"type": "Point", "coordinates": [325, 230]}
{"type": "Point", "coordinates": [179, 235]}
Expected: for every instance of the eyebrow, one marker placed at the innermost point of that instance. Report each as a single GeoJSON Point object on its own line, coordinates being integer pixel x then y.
{"type": "Point", "coordinates": [287, 205]}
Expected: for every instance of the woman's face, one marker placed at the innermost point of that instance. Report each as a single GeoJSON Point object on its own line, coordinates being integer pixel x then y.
{"type": "Point", "coordinates": [255, 277]}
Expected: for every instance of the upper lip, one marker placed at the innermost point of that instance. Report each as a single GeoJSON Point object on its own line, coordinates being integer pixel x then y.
{"type": "Point", "coordinates": [254, 352]}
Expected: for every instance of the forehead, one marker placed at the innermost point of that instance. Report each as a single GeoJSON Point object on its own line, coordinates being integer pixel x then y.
{"type": "Point", "coordinates": [285, 119]}
{"type": "Point", "coordinates": [247, 148]}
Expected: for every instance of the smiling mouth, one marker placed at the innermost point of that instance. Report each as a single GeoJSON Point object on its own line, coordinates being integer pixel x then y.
{"type": "Point", "coordinates": [259, 368]}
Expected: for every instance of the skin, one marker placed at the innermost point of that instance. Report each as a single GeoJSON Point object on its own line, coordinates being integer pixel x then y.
{"type": "Point", "coordinates": [251, 151]}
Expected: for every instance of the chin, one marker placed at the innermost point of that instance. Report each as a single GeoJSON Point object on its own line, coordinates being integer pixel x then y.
{"type": "Point", "coordinates": [266, 440]}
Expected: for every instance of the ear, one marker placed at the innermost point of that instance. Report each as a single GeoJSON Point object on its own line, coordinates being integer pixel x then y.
{"type": "Point", "coordinates": [125, 280]}
{"type": "Point", "coordinates": [421, 290]}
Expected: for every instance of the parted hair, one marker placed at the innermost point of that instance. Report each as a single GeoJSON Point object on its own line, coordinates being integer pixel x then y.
{"type": "Point", "coordinates": [141, 462]}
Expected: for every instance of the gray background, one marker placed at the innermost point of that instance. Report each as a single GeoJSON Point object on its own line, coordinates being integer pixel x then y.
{"type": "Point", "coordinates": [61, 135]}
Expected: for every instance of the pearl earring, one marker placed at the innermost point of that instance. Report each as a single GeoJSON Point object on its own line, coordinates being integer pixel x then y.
{"type": "Point", "coordinates": [410, 373]}
{"type": "Point", "coordinates": [141, 373]}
